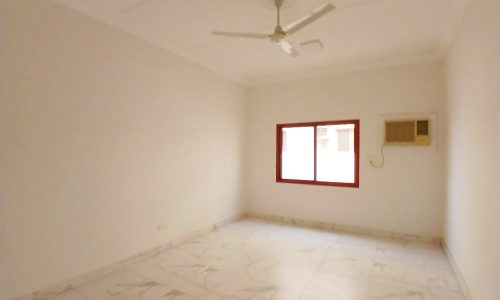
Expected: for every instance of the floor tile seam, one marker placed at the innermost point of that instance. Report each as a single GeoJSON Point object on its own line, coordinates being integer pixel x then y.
{"type": "Point", "coordinates": [428, 268]}
{"type": "Point", "coordinates": [425, 292]}
{"type": "Point", "coordinates": [232, 273]}
{"type": "Point", "coordinates": [373, 276]}
{"type": "Point", "coordinates": [181, 278]}
{"type": "Point", "coordinates": [241, 236]}
{"type": "Point", "coordinates": [184, 281]}
{"type": "Point", "coordinates": [89, 297]}
{"type": "Point", "coordinates": [214, 264]}
{"type": "Point", "coordinates": [79, 287]}
{"type": "Point", "coordinates": [370, 281]}
{"type": "Point", "coordinates": [314, 274]}
{"type": "Point", "coordinates": [81, 293]}
{"type": "Point", "coordinates": [405, 285]}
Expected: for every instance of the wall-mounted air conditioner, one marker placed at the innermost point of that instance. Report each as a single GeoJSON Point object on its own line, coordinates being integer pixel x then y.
{"type": "Point", "coordinates": [407, 132]}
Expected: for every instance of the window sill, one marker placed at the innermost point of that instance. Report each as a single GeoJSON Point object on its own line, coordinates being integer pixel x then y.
{"type": "Point", "coordinates": [324, 183]}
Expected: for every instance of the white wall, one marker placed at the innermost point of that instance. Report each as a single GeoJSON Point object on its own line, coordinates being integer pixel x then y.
{"type": "Point", "coordinates": [404, 196]}
{"type": "Point", "coordinates": [103, 137]}
{"type": "Point", "coordinates": [473, 189]}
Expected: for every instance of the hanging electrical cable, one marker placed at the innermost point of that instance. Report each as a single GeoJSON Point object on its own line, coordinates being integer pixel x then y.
{"type": "Point", "coordinates": [383, 159]}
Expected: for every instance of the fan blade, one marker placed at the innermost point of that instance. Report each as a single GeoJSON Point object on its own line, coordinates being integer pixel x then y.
{"type": "Point", "coordinates": [242, 34]}
{"type": "Point", "coordinates": [288, 48]}
{"type": "Point", "coordinates": [303, 22]}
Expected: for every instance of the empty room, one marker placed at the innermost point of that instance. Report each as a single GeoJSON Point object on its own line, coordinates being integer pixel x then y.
{"type": "Point", "coordinates": [249, 149]}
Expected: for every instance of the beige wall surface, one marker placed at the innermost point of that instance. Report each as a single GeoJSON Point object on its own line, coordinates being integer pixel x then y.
{"type": "Point", "coordinates": [102, 138]}
{"type": "Point", "coordinates": [403, 196]}
{"type": "Point", "coordinates": [473, 189]}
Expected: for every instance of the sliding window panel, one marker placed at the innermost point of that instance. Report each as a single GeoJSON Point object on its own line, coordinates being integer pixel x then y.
{"type": "Point", "coordinates": [335, 153]}
{"type": "Point", "coordinates": [297, 153]}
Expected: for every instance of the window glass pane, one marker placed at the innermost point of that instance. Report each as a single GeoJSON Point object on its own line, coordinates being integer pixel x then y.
{"type": "Point", "coordinates": [297, 156]}
{"type": "Point", "coordinates": [335, 153]}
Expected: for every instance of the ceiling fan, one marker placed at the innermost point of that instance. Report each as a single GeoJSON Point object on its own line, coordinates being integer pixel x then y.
{"type": "Point", "coordinates": [281, 33]}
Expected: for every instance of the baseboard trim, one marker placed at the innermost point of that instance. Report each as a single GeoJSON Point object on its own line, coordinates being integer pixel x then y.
{"type": "Point", "coordinates": [123, 263]}
{"type": "Point", "coordinates": [458, 273]}
{"type": "Point", "coordinates": [346, 228]}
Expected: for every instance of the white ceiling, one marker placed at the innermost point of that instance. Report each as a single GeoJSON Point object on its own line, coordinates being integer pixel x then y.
{"type": "Point", "coordinates": [358, 34]}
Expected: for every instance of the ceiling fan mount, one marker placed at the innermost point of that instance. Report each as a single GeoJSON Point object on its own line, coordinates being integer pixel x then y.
{"type": "Point", "coordinates": [278, 35]}
{"type": "Point", "coordinates": [278, 3]}
{"type": "Point", "coordinates": [281, 33]}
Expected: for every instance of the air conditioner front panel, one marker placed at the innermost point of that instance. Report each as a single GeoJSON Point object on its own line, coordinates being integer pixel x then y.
{"type": "Point", "coordinates": [407, 132]}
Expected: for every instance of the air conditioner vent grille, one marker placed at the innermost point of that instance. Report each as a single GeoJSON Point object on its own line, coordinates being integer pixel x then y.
{"type": "Point", "coordinates": [407, 132]}
{"type": "Point", "coordinates": [423, 127]}
{"type": "Point", "coordinates": [400, 131]}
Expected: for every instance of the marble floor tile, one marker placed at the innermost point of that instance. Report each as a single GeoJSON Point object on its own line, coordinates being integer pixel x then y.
{"type": "Point", "coordinates": [127, 285]}
{"type": "Point", "coordinates": [306, 256]}
{"type": "Point", "coordinates": [260, 260]}
{"type": "Point", "coordinates": [444, 294]}
{"type": "Point", "coordinates": [394, 292]}
{"type": "Point", "coordinates": [181, 285]}
{"type": "Point", "coordinates": [389, 269]}
{"type": "Point", "coordinates": [325, 287]}
{"type": "Point", "coordinates": [415, 274]}
{"type": "Point", "coordinates": [281, 274]}
{"type": "Point", "coordinates": [349, 265]}
{"type": "Point", "coordinates": [260, 290]}
{"type": "Point", "coordinates": [227, 240]}
{"type": "Point", "coordinates": [67, 294]}
{"type": "Point", "coordinates": [443, 279]}
{"type": "Point", "coordinates": [112, 283]}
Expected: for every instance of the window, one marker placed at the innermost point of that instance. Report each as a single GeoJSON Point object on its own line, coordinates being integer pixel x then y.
{"type": "Point", "coordinates": [321, 153]}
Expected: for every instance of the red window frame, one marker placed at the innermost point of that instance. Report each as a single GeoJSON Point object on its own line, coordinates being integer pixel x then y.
{"type": "Point", "coordinates": [279, 147]}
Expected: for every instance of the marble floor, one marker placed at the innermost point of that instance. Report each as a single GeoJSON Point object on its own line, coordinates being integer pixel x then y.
{"type": "Point", "coordinates": [253, 259]}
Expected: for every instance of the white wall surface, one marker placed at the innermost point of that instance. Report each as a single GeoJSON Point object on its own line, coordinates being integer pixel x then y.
{"type": "Point", "coordinates": [473, 189]}
{"type": "Point", "coordinates": [406, 195]}
{"type": "Point", "coordinates": [102, 138]}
